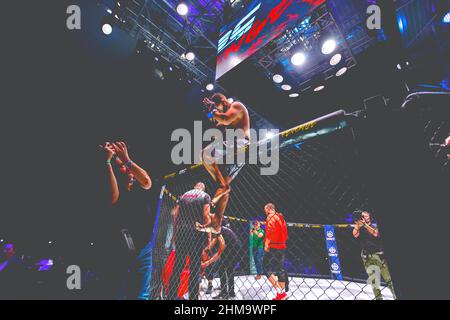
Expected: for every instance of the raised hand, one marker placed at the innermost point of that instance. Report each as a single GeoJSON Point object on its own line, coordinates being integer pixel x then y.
{"type": "Point", "coordinates": [109, 149]}
{"type": "Point", "coordinates": [121, 151]}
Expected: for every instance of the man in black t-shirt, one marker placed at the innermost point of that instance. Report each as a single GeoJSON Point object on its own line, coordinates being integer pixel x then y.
{"type": "Point", "coordinates": [228, 262]}
{"type": "Point", "coordinates": [191, 213]}
{"type": "Point", "coordinates": [372, 252]}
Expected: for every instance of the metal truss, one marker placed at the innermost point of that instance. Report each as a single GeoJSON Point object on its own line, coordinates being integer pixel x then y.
{"type": "Point", "coordinates": [170, 36]}
{"type": "Point", "coordinates": [308, 37]}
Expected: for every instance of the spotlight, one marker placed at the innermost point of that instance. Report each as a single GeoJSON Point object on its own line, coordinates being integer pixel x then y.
{"type": "Point", "coordinates": [278, 78]}
{"type": "Point", "coordinates": [210, 87]}
{"type": "Point", "coordinates": [190, 56]}
{"type": "Point", "coordinates": [399, 66]}
{"type": "Point", "coordinates": [270, 135]}
{"type": "Point", "coordinates": [298, 59]}
{"type": "Point", "coordinates": [50, 242]}
{"type": "Point", "coordinates": [182, 9]}
{"type": "Point", "coordinates": [1, 240]}
{"type": "Point", "coordinates": [341, 71]}
{"type": "Point", "coordinates": [294, 95]}
{"type": "Point", "coordinates": [319, 88]}
{"type": "Point", "coordinates": [230, 100]}
{"type": "Point", "coordinates": [286, 87]}
{"type": "Point", "coordinates": [446, 19]}
{"type": "Point", "coordinates": [329, 46]}
{"type": "Point", "coordinates": [107, 25]}
{"type": "Point", "coordinates": [336, 59]}
{"type": "Point", "coordinates": [318, 82]}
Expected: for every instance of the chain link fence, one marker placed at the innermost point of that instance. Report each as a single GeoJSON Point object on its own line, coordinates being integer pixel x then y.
{"type": "Point", "coordinates": [317, 189]}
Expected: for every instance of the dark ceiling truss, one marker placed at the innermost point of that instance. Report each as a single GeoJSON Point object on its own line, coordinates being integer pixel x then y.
{"type": "Point", "coordinates": [171, 36]}
{"type": "Point", "coordinates": [308, 38]}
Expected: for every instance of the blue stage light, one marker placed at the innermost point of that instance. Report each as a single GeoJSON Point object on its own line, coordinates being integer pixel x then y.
{"type": "Point", "coordinates": [402, 23]}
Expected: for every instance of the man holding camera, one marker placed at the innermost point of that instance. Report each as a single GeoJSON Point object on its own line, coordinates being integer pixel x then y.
{"type": "Point", "coordinates": [372, 253]}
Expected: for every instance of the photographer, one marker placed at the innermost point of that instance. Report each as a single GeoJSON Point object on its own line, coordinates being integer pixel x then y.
{"type": "Point", "coordinates": [372, 251]}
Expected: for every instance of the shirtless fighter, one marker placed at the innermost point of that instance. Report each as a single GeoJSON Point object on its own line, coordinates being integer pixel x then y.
{"type": "Point", "coordinates": [227, 115]}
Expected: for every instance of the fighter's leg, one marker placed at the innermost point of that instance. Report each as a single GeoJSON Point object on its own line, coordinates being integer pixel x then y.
{"type": "Point", "coordinates": [221, 205]}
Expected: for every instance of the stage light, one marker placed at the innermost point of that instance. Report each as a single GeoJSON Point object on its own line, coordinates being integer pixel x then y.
{"type": "Point", "coordinates": [170, 69]}
{"type": "Point", "coordinates": [341, 71]}
{"type": "Point", "coordinates": [107, 25]}
{"type": "Point", "coordinates": [189, 55]}
{"type": "Point", "coordinates": [107, 29]}
{"type": "Point", "coordinates": [446, 18]}
{"type": "Point", "coordinates": [182, 9]}
{"type": "Point", "coordinates": [286, 87]}
{"type": "Point", "coordinates": [210, 87]}
{"type": "Point", "coordinates": [294, 95]}
{"type": "Point", "coordinates": [92, 244]}
{"type": "Point", "coordinates": [329, 46]}
{"type": "Point", "coordinates": [319, 88]}
{"type": "Point", "coordinates": [109, 11]}
{"type": "Point", "coordinates": [230, 100]}
{"type": "Point", "coordinates": [278, 78]}
{"type": "Point", "coordinates": [1, 240]}
{"type": "Point", "coordinates": [399, 66]}
{"type": "Point", "coordinates": [402, 22]}
{"type": "Point", "coordinates": [270, 135]}
{"type": "Point", "coordinates": [336, 59]}
{"type": "Point", "coordinates": [298, 59]}
{"type": "Point", "coordinates": [50, 242]}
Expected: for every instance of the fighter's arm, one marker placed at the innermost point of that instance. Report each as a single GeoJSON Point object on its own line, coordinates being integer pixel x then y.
{"type": "Point", "coordinates": [226, 118]}
{"type": "Point", "coordinates": [140, 174]}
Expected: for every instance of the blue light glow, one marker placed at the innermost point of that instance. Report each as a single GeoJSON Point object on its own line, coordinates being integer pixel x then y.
{"type": "Point", "coordinates": [402, 23]}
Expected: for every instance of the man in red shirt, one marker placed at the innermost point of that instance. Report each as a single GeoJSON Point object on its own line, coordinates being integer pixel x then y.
{"type": "Point", "coordinates": [275, 247]}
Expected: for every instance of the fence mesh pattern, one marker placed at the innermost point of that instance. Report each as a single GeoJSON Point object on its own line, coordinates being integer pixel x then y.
{"type": "Point", "coordinates": [316, 190]}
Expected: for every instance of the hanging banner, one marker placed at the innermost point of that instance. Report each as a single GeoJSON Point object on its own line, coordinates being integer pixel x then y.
{"type": "Point", "coordinates": [260, 22]}
{"type": "Point", "coordinates": [333, 253]}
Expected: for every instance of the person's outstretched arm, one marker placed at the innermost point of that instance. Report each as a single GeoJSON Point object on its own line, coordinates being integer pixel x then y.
{"type": "Point", "coordinates": [140, 174]}
{"type": "Point", "coordinates": [112, 181]}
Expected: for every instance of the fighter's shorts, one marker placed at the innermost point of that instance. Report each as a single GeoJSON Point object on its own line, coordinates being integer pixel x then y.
{"type": "Point", "coordinates": [220, 155]}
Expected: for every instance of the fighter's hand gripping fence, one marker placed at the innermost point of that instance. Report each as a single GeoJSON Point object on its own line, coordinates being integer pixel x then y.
{"type": "Point", "coordinates": [316, 190]}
